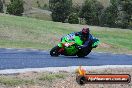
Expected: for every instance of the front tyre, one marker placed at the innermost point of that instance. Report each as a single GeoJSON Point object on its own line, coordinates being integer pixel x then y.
{"type": "Point", "coordinates": [54, 51]}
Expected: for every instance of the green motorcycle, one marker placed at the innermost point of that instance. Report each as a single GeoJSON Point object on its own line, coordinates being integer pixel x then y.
{"type": "Point", "coordinates": [71, 48]}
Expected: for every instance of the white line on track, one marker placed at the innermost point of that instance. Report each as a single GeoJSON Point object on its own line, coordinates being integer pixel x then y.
{"type": "Point", "coordinates": [58, 69]}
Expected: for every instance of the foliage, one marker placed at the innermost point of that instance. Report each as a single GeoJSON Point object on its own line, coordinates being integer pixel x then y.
{"type": "Point", "coordinates": [91, 11]}
{"type": "Point", "coordinates": [45, 7]}
{"type": "Point", "coordinates": [76, 8]}
{"type": "Point", "coordinates": [60, 9]}
{"type": "Point", "coordinates": [73, 18]}
{"type": "Point", "coordinates": [15, 7]}
{"type": "Point", "coordinates": [118, 14]}
{"type": "Point", "coordinates": [125, 14]}
{"type": "Point", "coordinates": [1, 6]}
{"type": "Point", "coordinates": [109, 16]}
{"type": "Point", "coordinates": [38, 4]}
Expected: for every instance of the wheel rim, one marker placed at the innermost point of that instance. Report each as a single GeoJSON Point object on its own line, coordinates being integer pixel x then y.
{"type": "Point", "coordinates": [54, 53]}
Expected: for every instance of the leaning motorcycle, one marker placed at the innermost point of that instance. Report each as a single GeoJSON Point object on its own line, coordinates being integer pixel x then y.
{"type": "Point", "coordinates": [72, 48]}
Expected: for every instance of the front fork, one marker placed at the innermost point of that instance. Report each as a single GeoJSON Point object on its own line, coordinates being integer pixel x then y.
{"type": "Point", "coordinates": [61, 51]}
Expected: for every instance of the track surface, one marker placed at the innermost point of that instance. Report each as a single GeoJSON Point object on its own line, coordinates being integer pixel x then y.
{"type": "Point", "coordinates": [22, 58]}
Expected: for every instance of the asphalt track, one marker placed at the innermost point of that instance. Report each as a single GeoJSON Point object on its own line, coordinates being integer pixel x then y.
{"type": "Point", "coordinates": [25, 58]}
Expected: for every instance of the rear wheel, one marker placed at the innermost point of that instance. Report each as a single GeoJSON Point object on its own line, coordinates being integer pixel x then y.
{"type": "Point", "coordinates": [54, 51]}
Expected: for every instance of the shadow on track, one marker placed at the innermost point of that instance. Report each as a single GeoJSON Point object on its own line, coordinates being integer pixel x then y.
{"type": "Point", "coordinates": [72, 57]}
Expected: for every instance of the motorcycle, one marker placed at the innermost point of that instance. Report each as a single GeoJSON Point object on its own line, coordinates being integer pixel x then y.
{"type": "Point", "coordinates": [72, 48]}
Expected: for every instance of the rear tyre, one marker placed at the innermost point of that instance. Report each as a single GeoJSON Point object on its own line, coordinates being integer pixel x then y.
{"type": "Point", "coordinates": [54, 51]}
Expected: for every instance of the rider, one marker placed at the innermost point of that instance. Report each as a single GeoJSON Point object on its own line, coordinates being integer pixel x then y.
{"type": "Point", "coordinates": [85, 36]}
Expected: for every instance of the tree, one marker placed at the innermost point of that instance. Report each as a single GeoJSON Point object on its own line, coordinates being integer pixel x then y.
{"type": "Point", "coordinates": [73, 18]}
{"type": "Point", "coordinates": [38, 4]}
{"type": "Point", "coordinates": [91, 11]}
{"type": "Point", "coordinates": [76, 8]}
{"type": "Point", "coordinates": [109, 16]}
{"type": "Point", "coordinates": [125, 14]}
{"type": "Point", "coordinates": [60, 9]}
{"type": "Point", "coordinates": [1, 6]}
{"type": "Point", "coordinates": [118, 14]}
{"type": "Point", "coordinates": [15, 7]}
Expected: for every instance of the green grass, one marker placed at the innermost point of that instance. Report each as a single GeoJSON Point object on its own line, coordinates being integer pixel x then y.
{"type": "Point", "coordinates": [23, 32]}
{"type": "Point", "coordinates": [118, 39]}
{"type": "Point", "coordinates": [51, 77]}
{"type": "Point", "coordinates": [39, 15]}
{"type": "Point", "coordinates": [32, 79]}
{"type": "Point", "coordinates": [12, 81]}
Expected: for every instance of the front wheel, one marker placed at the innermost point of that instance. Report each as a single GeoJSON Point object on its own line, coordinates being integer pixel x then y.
{"type": "Point", "coordinates": [54, 51]}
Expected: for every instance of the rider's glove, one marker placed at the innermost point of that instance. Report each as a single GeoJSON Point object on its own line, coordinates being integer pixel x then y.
{"type": "Point", "coordinates": [77, 34]}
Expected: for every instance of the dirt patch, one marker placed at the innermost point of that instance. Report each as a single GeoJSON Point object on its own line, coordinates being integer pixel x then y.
{"type": "Point", "coordinates": [104, 45]}
{"type": "Point", "coordinates": [28, 75]}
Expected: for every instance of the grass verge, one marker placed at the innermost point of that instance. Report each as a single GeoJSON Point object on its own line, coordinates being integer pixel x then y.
{"type": "Point", "coordinates": [60, 80]}
{"type": "Point", "coordinates": [11, 81]}
{"type": "Point", "coordinates": [51, 77]}
{"type": "Point", "coordinates": [23, 32]}
{"type": "Point", "coordinates": [30, 78]}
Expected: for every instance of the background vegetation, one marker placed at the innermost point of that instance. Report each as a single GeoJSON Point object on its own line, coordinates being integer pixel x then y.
{"type": "Point", "coordinates": [46, 34]}
{"type": "Point", "coordinates": [60, 9]}
{"type": "Point", "coordinates": [1, 6]}
{"type": "Point", "coordinates": [91, 12]}
{"type": "Point", "coordinates": [117, 14]}
{"type": "Point", "coordinates": [15, 7]}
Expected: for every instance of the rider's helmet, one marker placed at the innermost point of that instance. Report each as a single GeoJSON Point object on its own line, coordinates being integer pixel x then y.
{"type": "Point", "coordinates": [85, 33]}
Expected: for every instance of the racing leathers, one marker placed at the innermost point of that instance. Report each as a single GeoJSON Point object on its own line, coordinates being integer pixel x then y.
{"type": "Point", "coordinates": [86, 39]}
